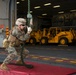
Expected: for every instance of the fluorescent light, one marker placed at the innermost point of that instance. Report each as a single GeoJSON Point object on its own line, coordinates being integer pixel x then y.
{"type": "Point", "coordinates": [47, 4]}
{"type": "Point", "coordinates": [44, 14]}
{"type": "Point", "coordinates": [57, 6]}
{"type": "Point", "coordinates": [18, 2]}
{"type": "Point", "coordinates": [36, 7]}
{"type": "Point", "coordinates": [72, 10]}
{"type": "Point", "coordinates": [61, 12]}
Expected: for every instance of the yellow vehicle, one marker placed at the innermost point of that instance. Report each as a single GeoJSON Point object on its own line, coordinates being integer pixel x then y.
{"type": "Point", "coordinates": [56, 35]}
{"type": "Point", "coordinates": [73, 31]}
{"type": "Point", "coordinates": [35, 37]}
{"type": "Point", "coordinates": [53, 35]}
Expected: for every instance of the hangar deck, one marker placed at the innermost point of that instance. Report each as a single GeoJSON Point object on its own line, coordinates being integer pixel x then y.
{"type": "Point", "coordinates": [47, 60]}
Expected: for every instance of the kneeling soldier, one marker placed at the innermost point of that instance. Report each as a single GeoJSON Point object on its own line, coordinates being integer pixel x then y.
{"type": "Point", "coordinates": [18, 34]}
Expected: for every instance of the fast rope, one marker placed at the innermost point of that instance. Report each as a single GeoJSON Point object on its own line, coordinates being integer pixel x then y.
{"type": "Point", "coordinates": [22, 58]}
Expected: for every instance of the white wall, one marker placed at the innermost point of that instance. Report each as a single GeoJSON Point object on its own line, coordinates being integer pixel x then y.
{"type": "Point", "coordinates": [7, 12]}
{"type": "Point", "coordinates": [4, 12]}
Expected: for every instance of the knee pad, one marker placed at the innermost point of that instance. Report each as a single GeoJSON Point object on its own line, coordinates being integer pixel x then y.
{"type": "Point", "coordinates": [12, 50]}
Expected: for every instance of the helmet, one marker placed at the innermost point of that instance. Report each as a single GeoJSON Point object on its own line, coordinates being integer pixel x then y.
{"type": "Point", "coordinates": [20, 21]}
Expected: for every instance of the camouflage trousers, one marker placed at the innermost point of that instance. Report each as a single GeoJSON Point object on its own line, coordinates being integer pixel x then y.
{"type": "Point", "coordinates": [14, 52]}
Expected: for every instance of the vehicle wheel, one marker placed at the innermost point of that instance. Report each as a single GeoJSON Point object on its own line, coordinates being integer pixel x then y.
{"type": "Point", "coordinates": [44, 40]}
{"type": "Point", "coordinates": [32, 41]}
{"type": "Point", "coordinates": [63, 41]}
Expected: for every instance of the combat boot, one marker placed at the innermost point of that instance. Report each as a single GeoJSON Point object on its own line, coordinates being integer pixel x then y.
{"type": "Point", "coordinates": [19, 62]}
{"type": "Point", "coordinates": [4, 67]}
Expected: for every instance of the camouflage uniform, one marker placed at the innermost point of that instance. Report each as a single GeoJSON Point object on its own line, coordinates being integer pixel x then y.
{"type": "Point", "coordinates": [15, 38]}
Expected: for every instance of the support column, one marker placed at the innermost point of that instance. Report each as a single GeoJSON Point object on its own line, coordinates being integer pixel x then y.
{"type": "Point", "coordinates": [7, 13]}
{"type": "Point", "coordinates": [12, 13]}
{"type": "Point", "coordinates": [4, 10]}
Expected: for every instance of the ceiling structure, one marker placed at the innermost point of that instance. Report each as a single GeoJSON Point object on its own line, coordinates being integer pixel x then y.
{"type": "Point", "coordinates": [65, 5]}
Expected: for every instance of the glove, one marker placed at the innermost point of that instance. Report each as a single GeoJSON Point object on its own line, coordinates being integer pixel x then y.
{"type": "Point", "coordinates": [29, 30]}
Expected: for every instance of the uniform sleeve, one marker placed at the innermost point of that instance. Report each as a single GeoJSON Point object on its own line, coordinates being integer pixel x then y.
{"type": "Point", "coordinates": [14, 32]}
{"type": "Point", "coordinates": [19, 35]}
{"type": "Point", "coordinates": [27, 36]}
{"type": "Point", "coordinates": [24, 37]}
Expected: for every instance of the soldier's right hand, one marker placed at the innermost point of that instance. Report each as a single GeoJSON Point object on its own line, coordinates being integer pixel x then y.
{"type": "Point", "coordinates": [29, 30]}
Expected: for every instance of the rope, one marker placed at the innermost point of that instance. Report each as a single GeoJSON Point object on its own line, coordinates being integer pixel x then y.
{"type": "Point", "coordinates": [22, 59]}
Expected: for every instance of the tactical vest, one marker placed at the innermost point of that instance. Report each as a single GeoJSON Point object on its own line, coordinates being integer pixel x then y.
{"type": "Point", "coordinates": [13, 40]}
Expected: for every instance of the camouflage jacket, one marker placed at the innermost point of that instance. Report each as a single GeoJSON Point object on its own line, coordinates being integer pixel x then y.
{"type": "Point", "coordinates": [17, 36]}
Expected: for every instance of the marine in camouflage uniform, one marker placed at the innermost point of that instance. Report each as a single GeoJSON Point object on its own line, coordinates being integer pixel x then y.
{"type": "Point", "coordinates": [16, 37]}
